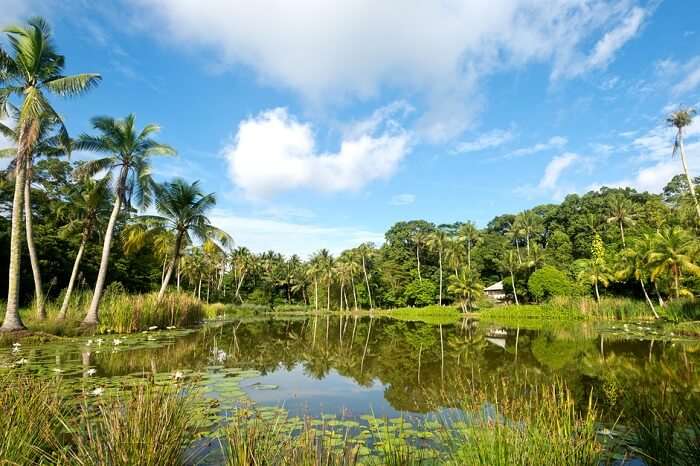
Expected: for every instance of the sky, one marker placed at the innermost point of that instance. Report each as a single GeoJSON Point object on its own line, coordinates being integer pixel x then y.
{"type": "Point", "coordinates": [320, 124]}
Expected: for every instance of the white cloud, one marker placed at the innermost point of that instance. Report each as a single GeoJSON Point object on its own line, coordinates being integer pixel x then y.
{"type": "Point", "coordinates": [690, 77]}
{"type": "Point", "coordinates": [555, 168]}
{"type": "Point", "coordinates": [261, 234]}
{"type": "Point", "coordinates": [493, 138]}
{"type": "Point", "coordinates": [273, 152]}
{"type": "Point", "coordinates": [555, 142]}
{"type": "Point", "coordinates": [403, 199]}
{"type": "Point", "coordinates": [438, 51]}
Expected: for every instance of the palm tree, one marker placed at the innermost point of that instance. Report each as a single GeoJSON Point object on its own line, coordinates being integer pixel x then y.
{"type": "Point", "coordinates": [436, 242]}
{"type": "Point", "coordinates": [680, 119]}
{"type": "Point", "coordinates": [528, 223]}
{"type": "Point", "coordinates": [47, 144]}
{"type": "Point", "coordinates": [88, 205]}
{"type": "Point", "coordinates": [469, 234]}
{"type": "Point", "coordinates": [635, 263]}
{"type": "Point", "coordinates": [672, 255]}
{"type": "Point", "coordinates": [241, 266]}
{"type": "Point", "coordinates": [454, 253]}
{"type": "Point", "coordinates": [35, 68]}
{"type": "Point", "coordinates": [467, 286]}
{"type": "Point", "coordinates": [593, 273]}
{"type": "Point", "coordinates": [419, 238]}
{"type": "Point", "coordinates": [620, 212]}
{"type": "Point", "coordinates": [183, 208]}
{"type": "Point", "coordinates": [129, 152]}
{"type": "Point", "coordinates": [510, 263]}
{"type": "Point", "coordinates": [365, 251]}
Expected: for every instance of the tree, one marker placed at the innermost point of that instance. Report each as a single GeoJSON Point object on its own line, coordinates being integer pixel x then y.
{"type": "Point", "coordinates": [673, 254]}
{"type": "Point", "coordinates": [466, 286]}
{"type": "Point", "coordinates": [47, 144]}
{"type": "Point", "coordinates": [437, 242]}
{"type": "Point", "coordinates": [680, 119]}
{"type": "Point", "coordinates": [549, 281]}
{"type": "Point", "coordinates": [129, 152]}
{"type": "Point", "coordinates": [469, 234]}
{"type": "Point", "coordinates": [420, 238]}
{"type": "Point", "coordinates": [183, 211]}
{"type": "Point", "coordinates": [620, 212]}
{"type": "Point", "coordinates": [510, 264]}
{"type": "Point", "coordinates": [88, 205]}
{"type": "Point", "coordinates": [35, 68]}
{"type": "Point", "coordinates": [365, 251]}
{"type": "Point", "coordinates": [594, 270]}
{"type": "Point", "coordinates": [634, 262]}
{"type": "Point", "coordinates": [528, 223]}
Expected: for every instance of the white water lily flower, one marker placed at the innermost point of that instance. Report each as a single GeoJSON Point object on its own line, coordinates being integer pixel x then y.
{"type": "Point", "coordinates": [117, 341]}
{"type": "Point", "coordinates": [88, 343]}
{"type": "Point", "coordinates": [16, 344]}
{"type": "Point", "coordinates": [153, 327]}
{"type": "Point", "coordinates": [98, 391]}
{"type": "Point", "coordinates": [90, 372]}
{"type": "Point", "coordinates": [16, 349]}
{"type": "Point", "coordinates": [178, 375]}
{"type": "Point", "coordinates": [99, 341]}
{"type": "Point", "coordinates": [57, 370]}
{"type": "Point", "coordinates": [22, 361]}
{"type": "Point", "coordinates": [151, 338]}
{"type": "Point", "coordinates": [170, 327]}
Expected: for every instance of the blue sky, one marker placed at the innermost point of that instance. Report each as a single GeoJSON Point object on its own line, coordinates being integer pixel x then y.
{"type": "Point", "coordinates": [320, 124]}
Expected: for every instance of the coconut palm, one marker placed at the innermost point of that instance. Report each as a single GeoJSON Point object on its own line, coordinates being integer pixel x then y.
{"type": "Point", "coordinates": [510, 263]}
{"type": "Point", "coordinates": [89, 203]}
{"type": "Point", "coordinates": [528, 224]}
{"type": "Point", "coordinates": [182, 209]}
{"type": "Point", "coordinates": [672, 255]}
{"type": "Point", "coordinates": [594, 273]}
{"type": "Point", "coordinates": [469, 234]}
{"type": "Point", "coordinates": [620, 212]}
{"type": "Point", "coordinates": [466, 286]}
{"type": "Point", "coordinates": [454, 253]}
{"type": "Point", "coordinates": [52, 140]}
{"type": "Point", "coordinates": [634, 262]}
{"type": "Point", "coordinates": [437, 241]}
{"type": "Point", "coordinates": [34, 69]}
{"type": "Point", "coordinates": [680, 119]}
{"type": "Point", "coordinates": [366, 250]}
{"type": "Point", "coordinates": [420, 238]}
{"type": "Point", "coordinates": [129, 153]}
{"type": "Point", "coordinates": [242, 261]}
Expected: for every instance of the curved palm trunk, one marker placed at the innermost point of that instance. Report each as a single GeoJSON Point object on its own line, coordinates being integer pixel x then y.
{"type": "Point", "coordinates": [31, 246]}
{"type": "Point", "coordinates": [646, 296]}
{"type": "Point", "coordinates": [354, 291]}
{"type": "Point", "coordinates": [691, 186]}
{"type": "Point", "coordinates": [622, 234]}
{"type": "Point", "coordinates": [92, 317]}
{"type": "Point", "coordinates": [171, 266]}
{"type": "Point", "coordinates": [369, 290]}
{"type": "Point", "coordinates": [597, 293]}
{"type": "Point", "coordinates": [12, 320]}
{"type": "Point", "coordinates": [515, 293]}
{"type": "Point", "coordinates": [73, 276]}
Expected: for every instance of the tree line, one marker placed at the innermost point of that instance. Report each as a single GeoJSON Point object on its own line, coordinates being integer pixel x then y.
{"type": "Point", "coordinates": [83, 229]}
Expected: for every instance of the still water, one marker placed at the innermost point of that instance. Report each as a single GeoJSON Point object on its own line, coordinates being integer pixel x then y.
{"type": "Point", "coordinates": [356, 365]}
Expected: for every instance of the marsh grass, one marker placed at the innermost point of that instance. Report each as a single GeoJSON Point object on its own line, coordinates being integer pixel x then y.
{"type": "Point", "coordinates": [124, 313]}
{"type": "Point", "coordinates": [576, 308]}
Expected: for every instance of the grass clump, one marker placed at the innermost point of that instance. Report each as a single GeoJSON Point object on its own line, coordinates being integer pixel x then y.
{"type": "Point", "coordinates": [124, 313]}
{"type": "Point", "coordinates": [577, 308]}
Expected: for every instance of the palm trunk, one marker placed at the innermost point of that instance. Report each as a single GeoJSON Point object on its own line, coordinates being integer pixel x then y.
{"type": "Point", "coordinates": [440, 260]}
{"type": "Point", "coordinates": [597, 293]}
{"type": "Point", "coordinates": [469, 255]}
{"type": "Point", "coordinates": [199, 288]}
{"type": "Point", "coordinates": [691, 185]}
{"type": "Point", "coordinates": [369, 291]}
{"type": "Point", "coordinates": [418, 257]}
{"type": "Point", "coordinates": [646, 295]}
{"type": "Point", "coordinates": [178, 277]}
{"type": "Point", "coordinates": [12, 320]}
{"type": "Point", "coordinates": [316, 293]}
{"type": "Point", "coordinates": [622, 235]}
{"type": "Point", "coordinates": [517, 248]}
{"type": "Point", "coordinates": [354, 291]}
{"type": "Point", "coordinates": [238, 287]}
{"type": "Point", "coordinates": [527, 243]}
{"type": "Point", "coordinates": [658, 295]}
{"type": "Point", "coordinates": [328, 294]}
{"type": "Point", "coordinates": [33, 257]}
{"type": "Point", "coordinates": [92, 317]}
{"type": "Point", "coordinates": [515, 293]}
{"type": "Point", "coordinates": [171, 266]}
{"type": "Point", "coordinates": [74, 274]}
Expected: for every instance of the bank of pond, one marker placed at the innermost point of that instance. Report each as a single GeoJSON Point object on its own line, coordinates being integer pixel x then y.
{"type": "Point", "coordinates": [272, 388]}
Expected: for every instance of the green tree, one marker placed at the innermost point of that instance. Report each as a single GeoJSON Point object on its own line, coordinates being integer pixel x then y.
{"type": "Point", "coordinates": [469, 234]}
{"type": "Point", "coordinates": [549, 281]}
{"type": "Point", "coordinates": [437, 242]}
{"type": "Point", "coordinates": [509, 263]}
{"type": "Point", "coordinates": [129, 152]}
{"type": "Point", "coordinates": [620, 213]}
{"type": "Point", "coordinates": [672, 255]}
{"type": "Point", "coordinates": [594, 271]}
{"type": "Point", "coordinates": [33, 69]}
{"type": "Point", "coordinates": [634, 262]}
{"type": "Point", "coordinates": [467, 286]}
{"type": "Point", "coordinates": [680, 119]}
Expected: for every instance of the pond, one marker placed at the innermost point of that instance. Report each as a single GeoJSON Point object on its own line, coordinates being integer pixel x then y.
{"type": "Point", "coordinates": [352, 366]}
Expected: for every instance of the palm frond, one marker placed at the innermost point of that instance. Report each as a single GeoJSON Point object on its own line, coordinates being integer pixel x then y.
{"type": "Point", "coordinates": [73, 85]}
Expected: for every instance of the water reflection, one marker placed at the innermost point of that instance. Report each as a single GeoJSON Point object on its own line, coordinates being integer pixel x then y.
{"type": "Point", "coordinates": [351, 365]}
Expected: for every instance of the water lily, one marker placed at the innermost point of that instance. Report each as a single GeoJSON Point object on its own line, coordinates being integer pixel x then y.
{"type": "Point", "coordinates": [88, 343]}
{"type": "Point", "coordinates": [16, 345]}
{"type": "Point", "coordinates": [153, 327]}
{"type": "Point", "coordinates": [91, 372]}
{"type": "Point", "coordinates": [22, 361]}
{"type": "Point", "coordinates": [178, 375]}
{"type": "Point", "coordinates": [98, 391]}
{"type": "Point", "coordinates": [16, 349]}
{"type": "Point", "coordinates": [170, 327]}
{"type": "Point", "coordinates": [57, 370]}
{"type": "Point", "coordinates": [100, 341]}
{"type": "Point", "coordinates": [117, 341]}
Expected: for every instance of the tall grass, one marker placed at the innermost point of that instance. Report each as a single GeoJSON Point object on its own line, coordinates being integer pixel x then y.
{"type": "Point", "coordinates": [124, 313]}
{"type": "Point", "coordinates": [577, 308]}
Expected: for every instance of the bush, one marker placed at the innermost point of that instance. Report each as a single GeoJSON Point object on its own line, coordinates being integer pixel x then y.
{"type": "Point", "coordinates": [549, 281]}
{"type": "Point", "coordinates": [420, 293]}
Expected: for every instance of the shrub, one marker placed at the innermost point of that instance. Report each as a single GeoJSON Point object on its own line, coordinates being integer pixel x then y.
{"type": "Point", "coordinates": [420, 293]}
{"type": "Point", "coordinates": [549, 281]}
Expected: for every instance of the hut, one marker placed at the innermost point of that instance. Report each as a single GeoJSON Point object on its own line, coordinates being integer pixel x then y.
{"type": "Point", "coordinates": [496, 291]}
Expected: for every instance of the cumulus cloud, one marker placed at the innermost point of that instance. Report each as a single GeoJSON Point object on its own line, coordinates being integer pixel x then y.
{"type": "Point", "coordinates": [287, 237]}
{"type": "Point", "coordinates": [555, 168]}
{"type": "Point", "coordinates": [493, 138]}
{"type": "Point", "coordinates": [274, 152]}
{"type": "Point", "coordinates": [555, 142]}
{"type": "Point", "coordinates": [438, 51]}
{"type": "Point", "coordinates": [403, 199]}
